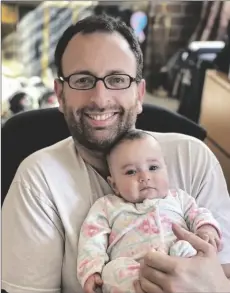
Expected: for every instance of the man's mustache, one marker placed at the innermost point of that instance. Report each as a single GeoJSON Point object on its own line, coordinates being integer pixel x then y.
{"type": "Point", "coordinates": [96, 109]}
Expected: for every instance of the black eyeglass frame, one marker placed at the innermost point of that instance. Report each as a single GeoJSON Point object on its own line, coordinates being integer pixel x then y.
{"type": "Point", "coordinates": [67, 79]}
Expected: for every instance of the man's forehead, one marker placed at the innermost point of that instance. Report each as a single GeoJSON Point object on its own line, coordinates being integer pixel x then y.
{"type": "Point", "coordinates": [98, 50]}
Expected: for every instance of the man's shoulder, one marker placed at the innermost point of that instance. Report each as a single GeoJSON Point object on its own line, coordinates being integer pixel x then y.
{"type": "Point", "coordinates": [52, 151]}
{"type": "Point", "coordinates": [172, 137]}
{"type": "Point", "coordinates": [189, 161]}
{"type": "Point", "coordinates": [49, 158]}
{"type": "Point", "coordinates": [183, 145]}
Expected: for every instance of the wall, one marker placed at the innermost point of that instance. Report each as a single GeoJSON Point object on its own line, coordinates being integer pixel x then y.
{"type": "Point", "coordinates": [214, 117]}
{"type": "Point", "coordinates": [171, 26]}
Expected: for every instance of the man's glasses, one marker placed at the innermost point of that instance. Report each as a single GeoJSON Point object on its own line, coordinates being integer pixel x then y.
{"type": "Point", "coordinates": [87, 81]}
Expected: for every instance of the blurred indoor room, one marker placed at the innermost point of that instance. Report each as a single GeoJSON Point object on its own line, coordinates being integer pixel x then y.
{"type": "Point", "coordinates": [185, 45]}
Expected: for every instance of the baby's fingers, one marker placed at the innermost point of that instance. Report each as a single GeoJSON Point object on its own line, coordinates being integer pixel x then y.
{"type": "Point", "coordinates": [89, 287]}
{"type": "Point", "coordinates": [98, 280]}
{"type": "Point", "coordinates": [212, 241]}
{"type": "Point", "coordinates": [204, 236]}
{"type": "Point", "coordinates": [219, 244]}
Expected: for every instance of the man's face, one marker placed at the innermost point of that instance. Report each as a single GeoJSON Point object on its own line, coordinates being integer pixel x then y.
{"type": "Point", "coordinates": [96, 117]}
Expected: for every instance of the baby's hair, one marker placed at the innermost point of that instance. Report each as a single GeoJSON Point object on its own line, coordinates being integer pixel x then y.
{"type": "Point", "coordinates": [128, 136]}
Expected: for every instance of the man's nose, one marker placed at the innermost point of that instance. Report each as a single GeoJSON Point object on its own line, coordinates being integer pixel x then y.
{"type": "Point", "coordinates": [100, 95]}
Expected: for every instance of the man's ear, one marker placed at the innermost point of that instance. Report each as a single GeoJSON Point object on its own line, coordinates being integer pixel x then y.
{"type": "Point", "coordinates": [113, 184]}
{"type": "Point", "coordinates": [58, 89]}
{"type": "Point", "coordinates": [141, 95]}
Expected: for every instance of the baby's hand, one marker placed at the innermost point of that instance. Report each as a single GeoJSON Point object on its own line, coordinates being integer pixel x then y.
{"type": "Point", "coordinates": [210, 234]}
{"type": "Point", "coordinates": [92, 283]}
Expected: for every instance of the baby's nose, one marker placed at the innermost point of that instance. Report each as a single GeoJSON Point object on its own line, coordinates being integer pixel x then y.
{"type": "Point", "coordinates": [144, 177]}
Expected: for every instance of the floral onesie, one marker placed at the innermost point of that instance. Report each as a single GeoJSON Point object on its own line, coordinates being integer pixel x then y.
{"type": "Point", "coordinates": [117, 234]}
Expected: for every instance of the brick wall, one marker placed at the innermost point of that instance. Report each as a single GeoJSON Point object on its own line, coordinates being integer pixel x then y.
{"type": "Point", "coordinates": [171, 26]}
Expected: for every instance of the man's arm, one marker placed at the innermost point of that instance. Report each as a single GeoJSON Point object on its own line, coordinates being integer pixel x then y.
{"type": "Point", "coordinates": [32, 242]}
{"type": "Point", "coordinates": [213, 195]}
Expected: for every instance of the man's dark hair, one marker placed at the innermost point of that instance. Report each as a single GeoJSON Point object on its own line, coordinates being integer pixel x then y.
{"type": "Point", "coordinates": [133, 134]}
{"type": "Point", "coordinates": [101, 23]}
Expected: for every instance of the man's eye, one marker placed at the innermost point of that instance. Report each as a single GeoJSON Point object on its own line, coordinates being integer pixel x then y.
{"type": "Point", "coordinates": [117, 80]}
{"type": "Point", "coordinates": [84, 80]}
{"type": "Point", "coordinates": [130, 172]}
{"type": "Point", "coordinates": [153, 168]}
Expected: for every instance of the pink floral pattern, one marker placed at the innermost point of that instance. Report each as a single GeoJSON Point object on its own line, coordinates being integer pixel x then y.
{"type": "Point", "coordinates": [166, 222]}
{"type": "Point", "coordinates": [130, 233]}
{"type": "Point", "coordinates": [192, 214]}
{"type": "Point", "coordinates": [90, 230]}
{"type": "Point", "coordinates": [82, 266]}
{"type": "Point", "coordinates": [130, 271]}
{"type": "Point", "coordinates": [147, 228]}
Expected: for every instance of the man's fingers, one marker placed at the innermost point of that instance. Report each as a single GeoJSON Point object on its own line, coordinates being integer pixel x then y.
{"type": "Point", "coordinates": [159, 261]}
{"type": "Point", "coordinates": [199, 244]}
{"type": "Point", "coordinates": [148, 286]}
{"type": "Point", "coordinates": [205, 237]}
{"type": "Point", "coordinates": [212, 241]}
{"type": "Point", "coordinates": [154, 276]}
{"type": "Point", "coordinates": [137, 287]}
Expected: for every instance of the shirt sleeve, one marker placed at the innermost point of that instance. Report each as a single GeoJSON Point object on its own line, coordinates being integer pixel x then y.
{"type": "Point", "coordinates": [195, 216]}
{"type": "Point", "coordinates": [93, 242]}
{"type": "Point", "coordinates": [32, 242]}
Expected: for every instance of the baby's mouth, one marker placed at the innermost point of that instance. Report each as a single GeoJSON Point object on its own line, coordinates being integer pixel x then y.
{"type": "Point", "coordinates": [146, 188]}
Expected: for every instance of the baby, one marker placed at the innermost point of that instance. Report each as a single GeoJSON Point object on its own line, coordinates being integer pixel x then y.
{"type": "Point", "coordinates": [120, 229]}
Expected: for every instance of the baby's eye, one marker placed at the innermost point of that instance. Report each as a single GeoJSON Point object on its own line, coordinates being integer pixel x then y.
{"type": "Point", "coordinates": [130, 172]}
{"type": "Point", "coordinates": [153, 168]}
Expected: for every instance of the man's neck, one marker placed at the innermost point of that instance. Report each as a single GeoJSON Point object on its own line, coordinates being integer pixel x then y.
{"type": "Point", "coordinates": [95, 159]}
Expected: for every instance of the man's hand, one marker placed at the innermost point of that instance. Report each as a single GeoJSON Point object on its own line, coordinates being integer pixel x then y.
{"type": "Point", "coordinates": [161, 273]}
{"type": "Point", "coordinates": [92, 283]}
{"type": "Point", "coordinates": [209, 234]}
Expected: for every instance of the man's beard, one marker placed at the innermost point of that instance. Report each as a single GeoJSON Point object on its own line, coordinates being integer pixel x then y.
{"type": "Point", "coordinates": [84, 134]}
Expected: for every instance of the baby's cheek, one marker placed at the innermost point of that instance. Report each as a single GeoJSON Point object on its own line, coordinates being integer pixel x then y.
{"type": "Point", "coordinates": [163, 185]}
{"type": "Point", "coordinates": [129, 192]}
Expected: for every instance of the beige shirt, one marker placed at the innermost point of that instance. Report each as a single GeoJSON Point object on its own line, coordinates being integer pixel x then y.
{"type": "Point", "coordinates": [52, 193]}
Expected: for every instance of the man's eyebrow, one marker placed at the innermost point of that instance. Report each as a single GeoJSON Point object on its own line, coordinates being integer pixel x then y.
{"type": "Point", "coordinates": [117, 71]}
{"type": "Point", "coordinates": [87, 72]}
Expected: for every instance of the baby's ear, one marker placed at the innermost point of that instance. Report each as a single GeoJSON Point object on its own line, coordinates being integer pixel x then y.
{"type": "Point", "coordinates": [112, 184]}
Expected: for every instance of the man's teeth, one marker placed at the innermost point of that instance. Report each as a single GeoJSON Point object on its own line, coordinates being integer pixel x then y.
{"type": "Point", "coordinates": [101, 117]}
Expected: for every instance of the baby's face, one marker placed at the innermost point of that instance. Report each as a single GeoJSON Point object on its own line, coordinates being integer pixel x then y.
{"type": "Point", "coordinates": [138, 170]}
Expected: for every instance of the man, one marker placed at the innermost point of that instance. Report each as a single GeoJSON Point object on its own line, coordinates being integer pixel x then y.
{"type": "Point", "coordinates": [100, 91]}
